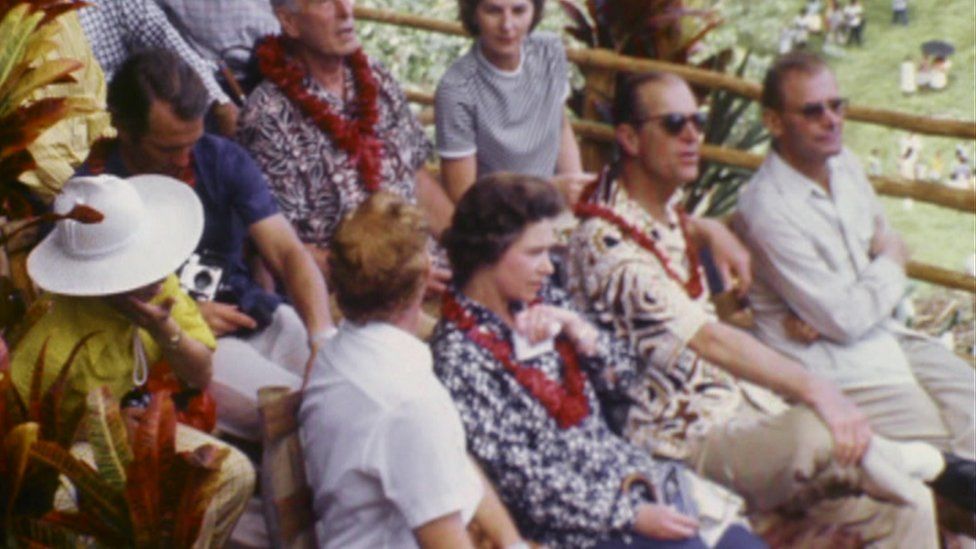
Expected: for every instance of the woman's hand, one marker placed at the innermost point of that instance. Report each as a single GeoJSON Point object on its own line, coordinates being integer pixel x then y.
{"type": "Point", "coordinates": [541, 322]}
{"type": "Point", "coordinates": [664, 522]}
{"type": "Point", "coordinates": [144, 314]}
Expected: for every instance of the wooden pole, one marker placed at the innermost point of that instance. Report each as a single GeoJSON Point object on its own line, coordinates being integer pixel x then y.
{"type": "Point", "coordinates": [608, 60]}
{"type": "Point", "coordinates": [941, 277]}
{"type": "Point", "coordinates": [963, 200]}
{"type": "Point", "coordinates": [959, 199]}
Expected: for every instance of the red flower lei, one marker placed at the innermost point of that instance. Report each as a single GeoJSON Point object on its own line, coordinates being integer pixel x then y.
{"type": "Point", "coordinates": [100, 150]}
{"type": "Point", "coordinates": [565, 403]}
{"type": "Point", "coordinates": [693, 286]}
{"type": "Point", "coordinates": [357, 137]}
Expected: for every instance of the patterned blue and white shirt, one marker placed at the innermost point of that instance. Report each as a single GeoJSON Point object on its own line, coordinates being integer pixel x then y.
{"type": "Point", "coordinates": [562, 486]}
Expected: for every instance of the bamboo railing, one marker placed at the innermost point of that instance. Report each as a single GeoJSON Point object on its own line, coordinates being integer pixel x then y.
{"type": "Point", "coordinates": [604, 59]}
{"type": "Point", "coordinates": [963, 200]}
{"type": "Point", "coordinates": [958, 199]}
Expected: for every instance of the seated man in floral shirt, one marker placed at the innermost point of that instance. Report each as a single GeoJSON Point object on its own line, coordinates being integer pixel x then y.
{"type": "Point", "coordinates": [530, 413]}
{"type": "Point", "coordinates": [635, 269]}
{"type": "Point", "coordinates": [329, 125]}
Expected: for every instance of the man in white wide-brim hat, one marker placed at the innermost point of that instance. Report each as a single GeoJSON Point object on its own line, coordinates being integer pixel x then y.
{"type": "Point", "coordinates": [113, 281]}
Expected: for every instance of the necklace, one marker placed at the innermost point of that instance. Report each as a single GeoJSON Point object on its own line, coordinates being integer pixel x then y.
{"type": "Point", "coordinates": [101, 149]}
{"type": "Point", "coordinates": [566, 402]}
{"type": "Point", "coordinates": [586, 208]}
{"type": "Point", "coordinates": [355, 136]}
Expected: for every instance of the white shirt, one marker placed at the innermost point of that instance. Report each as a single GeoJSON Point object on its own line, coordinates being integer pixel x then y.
{"type": "Point", "coordinates": [811, 256]}
{"type": "Point", "coordinates": [384, 446]}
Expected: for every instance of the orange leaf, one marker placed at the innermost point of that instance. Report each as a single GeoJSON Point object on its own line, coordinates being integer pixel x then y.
{"type": "Point", "coordinates": [154, 450]}
{"type": "Point", "coordinates": [52, 424]}
{"type": "Point", "coordinates": [37, 378]}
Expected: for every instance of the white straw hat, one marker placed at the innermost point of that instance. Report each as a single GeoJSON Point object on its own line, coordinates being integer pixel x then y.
{"type": "Point", "coordinates": [152, 224]}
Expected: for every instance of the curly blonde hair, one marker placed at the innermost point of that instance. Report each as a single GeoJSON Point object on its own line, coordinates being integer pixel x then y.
{"type": "Point", "coordinates": [378, 258]}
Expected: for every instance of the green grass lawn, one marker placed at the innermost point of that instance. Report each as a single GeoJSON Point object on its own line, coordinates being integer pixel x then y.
{"type": "Point", "coordinates": [870, 76]}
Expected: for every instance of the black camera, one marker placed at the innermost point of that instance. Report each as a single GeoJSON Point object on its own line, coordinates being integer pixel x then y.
{"type": "Point", "coordinates": [201, 276]}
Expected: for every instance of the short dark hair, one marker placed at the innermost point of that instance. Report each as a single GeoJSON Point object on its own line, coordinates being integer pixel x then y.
{"type": "Point", "coordinates": [492, 215]}
{"type": "Point", "coordinates": [467, 8]}
{"type": "Point", "coordinates": [378, 258]}
{"type": "Point", "coordinates": [626, 106]}
{"type": "Point", "coordinates": [798, 61]}
{"type": "Point", "coordinates": [151, 75]}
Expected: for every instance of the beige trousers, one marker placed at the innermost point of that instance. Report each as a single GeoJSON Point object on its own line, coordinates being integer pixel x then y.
{"type": "Point", "coordinates": [784, 463]}
{"type": "Point", "coordinates": [275, 356]}
{"type": "Point", "coordinates": [940, 409]}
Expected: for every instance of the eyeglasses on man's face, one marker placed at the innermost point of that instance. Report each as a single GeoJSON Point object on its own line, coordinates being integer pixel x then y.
{"type": "Point", "coordinates": [817, 110]}
{"type": "Point", "coordinates": [674, 122]}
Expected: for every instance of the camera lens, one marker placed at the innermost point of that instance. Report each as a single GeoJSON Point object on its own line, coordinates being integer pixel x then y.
{"type": "Point", "coordinates": [202, 280]}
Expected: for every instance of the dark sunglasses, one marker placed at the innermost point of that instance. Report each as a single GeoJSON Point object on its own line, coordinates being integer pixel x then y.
{"type": "Point", "coordinates": [674, 122]}
{"type": "Point", "coordinates": [816, 111]}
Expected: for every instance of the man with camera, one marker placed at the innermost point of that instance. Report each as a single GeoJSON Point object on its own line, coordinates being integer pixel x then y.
{"type": "Point", "coordinates": [157, 104]}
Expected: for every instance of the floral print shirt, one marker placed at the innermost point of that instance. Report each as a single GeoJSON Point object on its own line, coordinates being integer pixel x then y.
{"type": "Point", "coordinates": [315, 182]}
{"type": "Point", "coordinates": [625, 289]}
{"type": "Point", "coordinates": [563, 486]}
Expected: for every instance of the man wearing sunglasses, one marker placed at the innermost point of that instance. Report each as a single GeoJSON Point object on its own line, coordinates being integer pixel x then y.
{"type": "Point", "coordinates": [830, 271]}
{"type": "Point", "coordinates": [634, 268]}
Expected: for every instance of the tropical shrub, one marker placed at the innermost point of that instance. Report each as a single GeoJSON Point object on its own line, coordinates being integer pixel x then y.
{"type": "Point", "coordinates": [140, 493]}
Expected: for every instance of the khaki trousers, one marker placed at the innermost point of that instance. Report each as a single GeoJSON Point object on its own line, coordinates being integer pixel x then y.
{"type": "Point", "coordinates": [939, 409]}
{"type": "Point", "coordinates": [784, 463]}
{"type": "Point", "coordinates": [274, 356]}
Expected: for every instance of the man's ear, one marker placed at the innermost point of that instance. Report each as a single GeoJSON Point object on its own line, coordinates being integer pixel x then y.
{"type": "Point", "coordinates": [627, 139]}
{"type": "Point", "coordinates": [288, 19]}
{"type": "Point", "coordinates": [773, 122]}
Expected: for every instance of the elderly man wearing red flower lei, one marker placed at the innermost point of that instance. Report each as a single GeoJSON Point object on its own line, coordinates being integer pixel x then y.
{"type": "Point", "coordinates": [635, 270]}
{"type": "Point", "coordinates": [329, 126]}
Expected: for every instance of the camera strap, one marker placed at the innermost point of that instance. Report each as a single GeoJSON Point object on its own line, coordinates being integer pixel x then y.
{"type": "Point", "coordinates": [140, 370]}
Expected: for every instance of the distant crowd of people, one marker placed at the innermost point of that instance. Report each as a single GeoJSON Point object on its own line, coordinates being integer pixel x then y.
{"type": "Point", "coordinates": [590, 398]}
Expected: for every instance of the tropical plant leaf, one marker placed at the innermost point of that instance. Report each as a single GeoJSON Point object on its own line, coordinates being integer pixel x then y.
{"type": "Point", "coordinates": [96, 496]}
{"type": "Point", "coordinates": [56, 9]}
{"type": "Point", "coordinates": [12, 408]}
{"type": "Point", "coordinates": [10, 169]}
{"type": "Point", "coordinates": [153, 454]}
{"type": "Point", "coordinates": [34, 533]}
{"type": "Point", "coordinates": [16, 28]}
{"type": "Point", "coordinates": [196, 478]}
{"type": "Point", "coordinates": [50, 72]}
{"type": "Point", "coordinates": [107, 435]}
{"type": "Point", "coordinates": [581, 29]}
{"type": "Point", "coordinates": [16, 448]}
{"type": "Point", "coordinates": [81, 523]}
{"type": "Point", "coordinates": [36, 382]}
{"type": "Point", "coordinates": [52, 423]}
{"type": "Point", "coordinates": [35, 312]}
{"type": "Point", "coordinates": [682, 52]}
{"type": "Point", "coordinates": [24, 125]}
{"type": "Point", "coordinates": [42, 42]}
